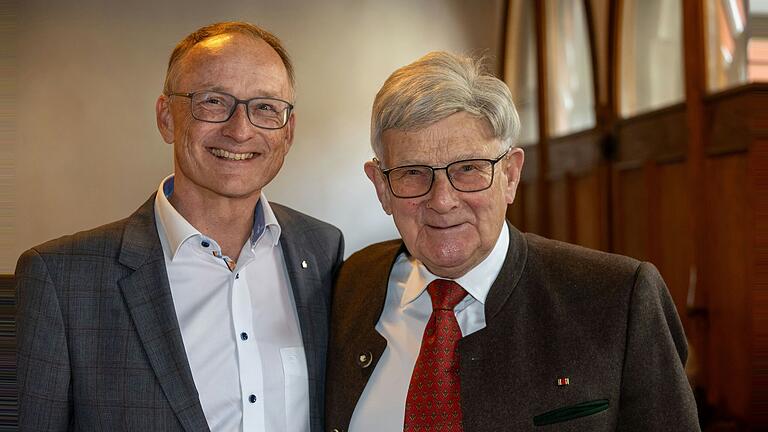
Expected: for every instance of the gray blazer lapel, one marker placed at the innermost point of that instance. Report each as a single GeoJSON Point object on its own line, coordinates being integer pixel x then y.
{"type": "Point", "coordinates": [312, 298]}
{"type": "Point", "coordinates": [303, 273]}
{"type": "Point", "coordinates": [147, 295]}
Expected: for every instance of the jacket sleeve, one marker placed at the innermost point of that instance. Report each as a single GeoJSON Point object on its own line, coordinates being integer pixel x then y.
{"type": "Point", "coordinates": [43, 372]}
{"type": "Point", "coordinates": [655, 393]}
{"type": "Point", "coordinates": [339, 256]}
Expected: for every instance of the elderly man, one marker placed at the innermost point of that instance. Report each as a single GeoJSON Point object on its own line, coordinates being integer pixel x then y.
{"type": "Point", "coordinates": [206, 308]}
{"type": "Point", "coordinates": [467, 323]}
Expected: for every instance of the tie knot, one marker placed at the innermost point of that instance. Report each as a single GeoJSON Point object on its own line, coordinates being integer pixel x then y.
{"type": "Point", "coordinates": [445, 294]}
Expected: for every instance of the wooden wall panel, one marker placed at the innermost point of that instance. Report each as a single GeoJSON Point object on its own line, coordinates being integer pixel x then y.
{"type": "Point", "coordinates": [655, 135]}
{"type": "Point", "coordinates": [630, 215]}
{"type": "Point", "coordinates": [575, 154]}
{"type": "Point", "coordinates": [587, 211]}
{"type": "Point", "coordinates": [758, 279]}
{"type": "Point", "coordinates": [734, 117]}
{"type": "Point", "coordinates": [559, 214]}
{"type": "Point", "coordinates": [672, 233]}
{"type": "Point", "coordinates": [516, 211]}
{"type": "Point", "coordinates": [725, 280]}
{"type": "Point", "coordinates": [531, 220]}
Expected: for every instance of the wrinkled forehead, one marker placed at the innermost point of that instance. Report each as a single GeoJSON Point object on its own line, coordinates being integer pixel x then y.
{"type": "Point", "coordinates": [457, 137]}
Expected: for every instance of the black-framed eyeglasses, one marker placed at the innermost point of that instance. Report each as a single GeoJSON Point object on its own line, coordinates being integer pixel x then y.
{"type": "Point", "coordinates": [218, 107]}
{"type": "Point", "coordinates": [413, 181]}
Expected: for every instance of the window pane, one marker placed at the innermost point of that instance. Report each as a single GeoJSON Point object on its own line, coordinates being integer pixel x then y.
{"type": "Point", "coordinates": [737, 42]}
{"type": "Point", "coordinates": [520, 67]}
{"type": "Point", "coordinates": [651, 55]}
{"type": "Point", "coordinates": [570, 86]}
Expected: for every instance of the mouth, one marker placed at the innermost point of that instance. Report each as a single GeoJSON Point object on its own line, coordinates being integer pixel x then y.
{"type": "Point", "coordinates": [227, 155]}
{"type": "Point", "coordinates": [445, 227]}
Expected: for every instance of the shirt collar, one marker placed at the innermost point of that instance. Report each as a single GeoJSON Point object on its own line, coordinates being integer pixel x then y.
{"type": "Point", "coordinates": [264, 219]}
{"type": "Point", "coordinates": [477, 282]}
{"type": "Point", "coordinates": [176, 230]}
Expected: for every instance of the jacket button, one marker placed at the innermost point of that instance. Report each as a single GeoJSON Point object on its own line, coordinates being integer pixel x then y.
{"type": "Point", "coordinates": [364, 359]}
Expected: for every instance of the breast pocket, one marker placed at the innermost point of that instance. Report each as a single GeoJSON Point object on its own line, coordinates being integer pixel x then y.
{"type": "Point", "coordinates": [296, 389]}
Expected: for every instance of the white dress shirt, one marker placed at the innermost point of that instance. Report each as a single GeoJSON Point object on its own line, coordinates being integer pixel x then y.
{"type": "Point", "coordinates": [240, 327]}
{"type": "Point", "coordinates": [407, 309]}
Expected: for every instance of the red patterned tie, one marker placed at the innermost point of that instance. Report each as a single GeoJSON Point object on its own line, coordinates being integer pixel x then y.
{"type": "Point", "coordinates": [433, 403]}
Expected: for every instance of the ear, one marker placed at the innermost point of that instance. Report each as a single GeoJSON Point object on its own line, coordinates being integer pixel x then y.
{"type": "Point", "coordinates": [380, 183]}
{"type": "Point", "coordinates": [164, 118]}
{"type": "Point", "coordinates": [513, 166]}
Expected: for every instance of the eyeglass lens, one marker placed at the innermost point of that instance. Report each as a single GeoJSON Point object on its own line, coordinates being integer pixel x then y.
{"type": "Point", "coordinates": [465, 176]}
{"type": "Point", "coordinates": [219, 107]}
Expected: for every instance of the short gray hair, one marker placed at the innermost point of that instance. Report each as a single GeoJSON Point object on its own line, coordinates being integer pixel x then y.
{"type": "Point", "coordinates": [436, 86]}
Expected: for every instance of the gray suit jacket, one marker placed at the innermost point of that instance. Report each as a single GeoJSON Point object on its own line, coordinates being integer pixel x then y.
{"type": "Point", "coordinates": [605, 322]}
{"type": "Point", "coordinates": [99, 345]}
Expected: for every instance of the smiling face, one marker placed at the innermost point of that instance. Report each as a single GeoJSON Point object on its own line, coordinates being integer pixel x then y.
{"type": "Point", "coordinates": [234, 159]}
{"type": "Point", "coordinates": [449, 231]}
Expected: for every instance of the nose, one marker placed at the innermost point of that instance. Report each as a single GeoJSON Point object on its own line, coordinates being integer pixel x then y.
{"type": "Point", "coordinates": [239, 127]}
{"type": "Point", "coordinates": [443, 197]}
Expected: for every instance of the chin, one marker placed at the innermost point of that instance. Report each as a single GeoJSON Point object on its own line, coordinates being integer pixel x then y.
{"type": "Point", "coordinates": [447, 261]}
{"type": "Point", "coordinates": [448, 269]}
{"type": "Point", "coordinates": [236, 188]}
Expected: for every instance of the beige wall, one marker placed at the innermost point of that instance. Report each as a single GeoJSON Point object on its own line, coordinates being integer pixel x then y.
{"type": "Point", "coordinates": [86, 150]}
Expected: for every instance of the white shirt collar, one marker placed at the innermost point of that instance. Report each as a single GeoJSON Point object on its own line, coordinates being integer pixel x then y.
{"type": "Point", "coordinates": [477, 282]}
{"type": "Point", "coordinates": [174, 230]}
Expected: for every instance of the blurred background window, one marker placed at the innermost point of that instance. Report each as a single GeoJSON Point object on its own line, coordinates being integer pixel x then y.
{"type": "Point", "coordinates": [570, 86]}
{"type": "Point", "coordinates": [737, 42]}
{"type": "Point", "coordinates": [651, 68]}
{"type": "Point", "coordinates": [520, 67]}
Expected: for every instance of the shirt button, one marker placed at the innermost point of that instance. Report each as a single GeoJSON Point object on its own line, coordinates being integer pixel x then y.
{"type": "Point", "coordinates": [364, 359]}
{"type": "Point", "coordinates": [205, 244]}
{"type": "Point", "coordinates": [237, 276]}
{"type": "Point", "coordinates": [244, 336]}
{"type": "Point", "coordinates": [252, 398]}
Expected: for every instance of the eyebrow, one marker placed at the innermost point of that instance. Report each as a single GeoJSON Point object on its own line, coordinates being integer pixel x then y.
{"type": "Point", "coordinates": [460, 157]}
{"type": "Point", "coordinates": [220, 89]}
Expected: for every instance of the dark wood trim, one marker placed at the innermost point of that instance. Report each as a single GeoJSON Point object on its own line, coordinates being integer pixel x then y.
{"type": "Point", "coordinates": [596, 76]}
{"type": "Point", "coordinates": [657, 135]}
{"type": "Point", "coordinates": [670, 159]}
{"type": "Point", "coordinates": [608, 146]}
{"type": "Point", "coordinates": [716, 152]}
{"type": "Point", "coordinates": [652, 184]}
{"type": "Point", "coordinates": [748, 88]}
{"type": "Point", "coordinates": [575, 154]}
{"type": "Point", "coordinates": [570, 204]}
{"type": "Point", "coordinates": [653, 114]}
{"type": "Point", "coordinates": [543, 104]}
{"type": "Point", "coordinates": [566, 139]}
{"type": "Point", "coordinates": [695, 67]}
{"type": "Point", "coordinates": [758, 282]}
{"type": "Point", "coordinates": [502, 54]}
{"type": "Point", "coordinates": [630, 165]}
{"type": "Point", "coordinates": [735, 118]}
{"type": "Point", "coordinates": [617, 19]}
{"type": "Point", "coordinates": [531, 167]}
{"type": "Point", "coordinates": [604, 203]}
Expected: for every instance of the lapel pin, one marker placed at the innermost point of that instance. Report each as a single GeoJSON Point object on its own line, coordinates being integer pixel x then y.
{"type": "Point", "coordinates": [304, 264]}
{"type": "Point", "coordinates": [563, 381]}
